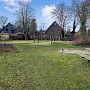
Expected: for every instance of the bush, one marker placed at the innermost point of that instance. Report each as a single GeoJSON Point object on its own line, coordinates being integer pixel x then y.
{"type": "Point", "coordinates": [7, 48]}
{"type": "Point", "coordinates": [84, 41]}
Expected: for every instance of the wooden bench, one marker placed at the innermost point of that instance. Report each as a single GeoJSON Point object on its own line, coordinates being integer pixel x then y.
{"type": "Point", "coordinates": [85, 56]}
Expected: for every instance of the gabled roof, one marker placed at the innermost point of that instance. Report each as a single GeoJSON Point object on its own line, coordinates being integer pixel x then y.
{"type": "Point", "coordinates": [0, 29]}
{"type": "Point", "coordinates": [8, 25]}
{"type": "Point", "coordinates": [54, 23]}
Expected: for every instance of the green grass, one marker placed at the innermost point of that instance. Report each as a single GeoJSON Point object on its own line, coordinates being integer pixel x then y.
{"type": "Point", "coordinates": [42, 67]}
{"type": "Point", "coordinates": [88, 54]}
{"type": "Point", "coordinates": [66, 45]}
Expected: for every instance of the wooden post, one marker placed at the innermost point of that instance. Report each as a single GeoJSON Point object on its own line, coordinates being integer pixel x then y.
{"type": "Point", "coordinates": [34, 38]}
{"type": "Point", "coordinates": [38, 37]}
{"type": "Point", "coordinates": [51, 38]}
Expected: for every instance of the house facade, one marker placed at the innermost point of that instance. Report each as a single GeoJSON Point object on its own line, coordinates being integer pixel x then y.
{"type": "Point", "coordinates": [10, 32]}
{"type": "Point", "coordinates": [9, 28]}
{"type": "Point", "coordinates": [54, 32]}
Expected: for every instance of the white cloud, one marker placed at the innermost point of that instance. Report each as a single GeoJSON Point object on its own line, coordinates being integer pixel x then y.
{"type": "Point", "coordinates": [9, 8]}
{"type": "Point", "coordinates": [47, 14]}
{"type": "Point", "coordinates": [47, 9]}
{"type": "Point", "coordinates": [12, 5]}
{"type": "Point", "coordinates": [9, 2]}
{"type": "Point", "coordinates": [26, 1]}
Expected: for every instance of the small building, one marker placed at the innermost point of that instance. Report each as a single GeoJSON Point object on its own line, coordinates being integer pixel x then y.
{"type": "Point", "coordinates": [42, 34]}
{"type": "Point", "coordinates": [54, 31]}
{"type": "Point", "coordinates": [69, 36]}
{"type": "Point", "coordinates": [9, 28]}
{"type": "Point", "coordinates": [11, 32]}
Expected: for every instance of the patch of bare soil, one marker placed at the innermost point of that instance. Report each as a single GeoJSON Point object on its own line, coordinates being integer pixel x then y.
{"type": "Point", "coordinates": [7, 48]}
{"type": "Point", "coordinates": [41, 43]}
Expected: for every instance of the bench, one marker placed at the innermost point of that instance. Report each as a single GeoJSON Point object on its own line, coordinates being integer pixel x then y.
{"type": "Point", "coordinates": [85, 56]}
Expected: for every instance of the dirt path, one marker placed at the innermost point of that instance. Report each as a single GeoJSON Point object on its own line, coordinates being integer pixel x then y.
{"type": "Point", "coordinates": [31, 42]}
{"type": "Point", "coordinates": [41, 43]}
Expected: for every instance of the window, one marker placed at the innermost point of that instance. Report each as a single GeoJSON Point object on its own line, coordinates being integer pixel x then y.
{"type": "Point", "coordinates": [6, 29]}
{"type": "Point", "coordinates": [55, 23]}
{"type": "Point", "coordinates": [12, 31]}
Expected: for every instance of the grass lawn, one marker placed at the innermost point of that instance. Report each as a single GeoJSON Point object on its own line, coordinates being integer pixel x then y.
{"type": "Point", "coordinates": [42, 67]}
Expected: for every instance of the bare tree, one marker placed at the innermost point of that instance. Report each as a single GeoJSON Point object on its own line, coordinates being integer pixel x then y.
{"type": "Point", "coordinates": [42, 26]}
{"type": "Point", "coordinates": [82, 10]}
{"type": "Point", "coordinates": [3, 21]}
{"type": "Point", "coordinates": [75, 24]}
{"type": "Point", "coordinates": [88, 20]}
{"type": "Point", "coordinates": [62, 14]}
{"type": "Point", "coordinates": [24, 16]}
{"type": "Point", "coordinates": [33, 28]}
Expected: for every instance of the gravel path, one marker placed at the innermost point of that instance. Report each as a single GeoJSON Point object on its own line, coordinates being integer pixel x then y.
{"type": "Point", "coordinates": [74, 51]}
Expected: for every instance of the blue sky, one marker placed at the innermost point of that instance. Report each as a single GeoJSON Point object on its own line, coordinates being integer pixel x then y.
{"type": "Point", "coordinates": [42, 8]}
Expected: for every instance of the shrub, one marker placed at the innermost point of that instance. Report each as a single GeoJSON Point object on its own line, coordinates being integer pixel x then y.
{"type": "Point", "coordinates": [79, 40]}
{"type": "Point", "coordinates": [7, 48]}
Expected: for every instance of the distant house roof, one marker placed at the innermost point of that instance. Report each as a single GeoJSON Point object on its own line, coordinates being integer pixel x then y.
{"type": "Point", "coordinates": [54, 23]}
{"type": "Point", "coordinates": [0, 29]}
{"type": "Point", "coordinates": [9, 24]}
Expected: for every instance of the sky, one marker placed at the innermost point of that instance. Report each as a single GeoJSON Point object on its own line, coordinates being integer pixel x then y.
{"type": "Point", "coordinates": [43, 9]}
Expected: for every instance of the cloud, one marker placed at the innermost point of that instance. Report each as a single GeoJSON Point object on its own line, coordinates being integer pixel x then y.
{"type": "Point", "coordinates": [26, 1]}
{"type": "Point", "coordinates": [11, 5]}
{"type": "Point", "coordinates": [47, 14]}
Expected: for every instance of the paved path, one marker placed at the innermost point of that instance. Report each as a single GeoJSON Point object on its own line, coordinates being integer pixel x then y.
{"type": "Point", "coordinates": [83, 53]}
{"type": "Point", "coordinates": [87, 49]}
{"type": "Point", "coordinates": [75, 51]}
